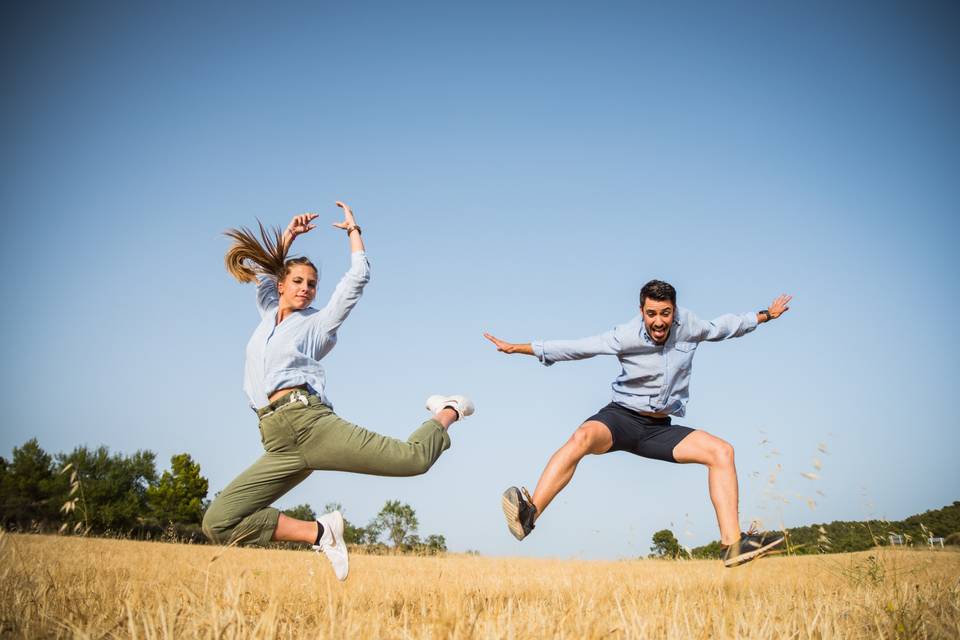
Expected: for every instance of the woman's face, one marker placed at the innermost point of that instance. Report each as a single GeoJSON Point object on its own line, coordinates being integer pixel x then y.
{"type": "Point", "coordinates": [298, 289]}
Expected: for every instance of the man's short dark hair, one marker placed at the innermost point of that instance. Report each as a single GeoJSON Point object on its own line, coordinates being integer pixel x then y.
{"type": "Point", "coordinates": [660, 291]}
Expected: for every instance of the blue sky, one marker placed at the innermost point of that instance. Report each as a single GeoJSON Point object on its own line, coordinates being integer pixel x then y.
{"type": "Point", "coordinates": [521, 170]}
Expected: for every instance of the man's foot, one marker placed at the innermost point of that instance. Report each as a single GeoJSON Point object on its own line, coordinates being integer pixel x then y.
{"type": "Point", "coordinates": [520, 512]}
{"type": "Point", "coordinates": [332, 545]}
{"type": "Point", "coordinates": [461, 404]}
{"type": "Point", "coordinates": [750, 546]}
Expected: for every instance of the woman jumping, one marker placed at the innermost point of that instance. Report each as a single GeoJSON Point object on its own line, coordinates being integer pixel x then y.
{"type": "Point", "coordinates": [284, 381]}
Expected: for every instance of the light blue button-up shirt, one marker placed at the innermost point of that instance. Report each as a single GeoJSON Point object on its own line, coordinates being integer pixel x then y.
{"type": "Point", "coordinates": [653, 378]}
{"type": "Point", "coordinates": [288, 354]}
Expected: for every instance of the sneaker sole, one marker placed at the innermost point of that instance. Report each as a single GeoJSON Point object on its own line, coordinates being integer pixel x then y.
{"type": "Point", "coordinates": [511, 510]}
{"type": "Point", "coordinates": [743, 558]}
{"type": "Point", "coordinates": [339, 547]}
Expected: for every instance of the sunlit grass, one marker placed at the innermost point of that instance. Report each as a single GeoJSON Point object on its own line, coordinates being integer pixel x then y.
{"type": "Point", "coordinates": [79, 587]}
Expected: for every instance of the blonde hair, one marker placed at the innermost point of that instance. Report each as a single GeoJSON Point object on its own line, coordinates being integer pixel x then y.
{"type": "Point", "coordinates": [249, 256]}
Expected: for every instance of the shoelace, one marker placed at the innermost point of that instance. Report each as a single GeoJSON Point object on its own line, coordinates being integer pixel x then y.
{"type": "Point", "coordinates": [527, 496]}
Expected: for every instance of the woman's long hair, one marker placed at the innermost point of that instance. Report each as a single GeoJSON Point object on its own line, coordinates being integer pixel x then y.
{"type": "Point", "coordinates": [249, 256]}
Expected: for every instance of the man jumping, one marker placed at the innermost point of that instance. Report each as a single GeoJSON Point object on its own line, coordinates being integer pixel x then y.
{"type": "Point", "coordinates": [655, 350]}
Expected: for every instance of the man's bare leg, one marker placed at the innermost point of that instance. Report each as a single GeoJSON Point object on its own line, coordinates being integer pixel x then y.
{"type": "Point", "coordinates": [591, 437]}
{"type": "Point", "coordinates": [717, 455]}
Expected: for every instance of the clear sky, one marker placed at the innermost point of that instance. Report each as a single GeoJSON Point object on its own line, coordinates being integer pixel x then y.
{"type": "Point", "coordinates": [517, 168]}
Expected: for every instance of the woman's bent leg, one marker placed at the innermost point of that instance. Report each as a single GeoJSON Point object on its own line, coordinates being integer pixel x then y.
{"type": "Point", "coordinates": [241, 513]}
{"type": "Point", "coordinates": [330, 442]}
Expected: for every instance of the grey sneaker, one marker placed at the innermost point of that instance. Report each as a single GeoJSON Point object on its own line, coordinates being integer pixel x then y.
{"type": "Point", "coordinates": [461, 404]}
{"type": "Point", "coordinates": [332, 545]}
{"type": "Point", "coordinates": [520, 511]}
{"type": "Point", "coordinates": [750, 546]}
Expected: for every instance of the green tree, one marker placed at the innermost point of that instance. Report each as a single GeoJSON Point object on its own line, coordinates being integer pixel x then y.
{"type": "Point", "coordinates": [436, 543]}
{"type": "Point", "coordinates": [665, 544]}
{"type": "Point", "coordinates": [31, 491]}
{"type": "Point", "coordinates": [397, 520]}
{"type": "Point", "coordinates": [352, 534]}
{"type": "Point", "coordinates": [371, 533]}
{"type": "Point", "coordinates": [842, 536]}
{"type": "Point", "coordinates": [301, 512]}
{"type": "Point", "coordinates": [114, 487]}
{"type": "Point", "coordinates": [178, 496]}
{"type": "Point", "coordinates": [712, 551]}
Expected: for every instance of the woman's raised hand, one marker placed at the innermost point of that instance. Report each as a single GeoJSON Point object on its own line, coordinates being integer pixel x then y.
{"type": "Point", "coordinates": [300, 224]}
{"type": "Point", "coordinates": [348, 219]}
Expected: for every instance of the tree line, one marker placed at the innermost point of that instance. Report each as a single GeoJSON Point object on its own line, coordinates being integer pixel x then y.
{"type": "Point", "coordinates": [838, 536]}
{"type": "Point", "coordinates": [396, 522]}
{"type": "Point", "coordinates": [95, 492]}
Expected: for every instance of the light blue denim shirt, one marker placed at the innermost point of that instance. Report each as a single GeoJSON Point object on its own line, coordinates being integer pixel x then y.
{"type": "Point", "coordinates": [288, 354]}
{"type": "Point", "coordinates": [653, 378]}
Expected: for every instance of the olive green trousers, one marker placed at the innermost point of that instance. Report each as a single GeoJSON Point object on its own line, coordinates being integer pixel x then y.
{"type": "Point", "coordinates": [300, 435]}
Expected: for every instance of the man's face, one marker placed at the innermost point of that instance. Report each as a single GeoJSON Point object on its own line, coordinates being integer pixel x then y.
{"type": "Point", "coordinates": [658, 318]}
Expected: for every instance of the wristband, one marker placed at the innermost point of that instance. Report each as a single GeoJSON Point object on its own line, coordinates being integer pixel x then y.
{"type": "Point", "coordinates": [356, 228]}
{"type": "Point", "coordinates": [766, 315]}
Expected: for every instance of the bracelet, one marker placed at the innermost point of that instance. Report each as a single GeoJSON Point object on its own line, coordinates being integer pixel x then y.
{"type": "Point", "coordinates": [766, 314]}
{"type": "Point", "coordinates": [356, 228]}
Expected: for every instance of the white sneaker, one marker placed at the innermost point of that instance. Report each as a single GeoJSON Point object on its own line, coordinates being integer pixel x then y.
{"type": "Point", "coordinates": [332, 544]}
{"type": "Point", "coordinates": [461, 404]}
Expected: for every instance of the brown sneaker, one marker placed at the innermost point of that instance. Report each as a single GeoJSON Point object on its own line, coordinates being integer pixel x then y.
{"type": "Point", "coordinates": [520, 512]}
{"type": "Point", "coordinates": [750, 546]}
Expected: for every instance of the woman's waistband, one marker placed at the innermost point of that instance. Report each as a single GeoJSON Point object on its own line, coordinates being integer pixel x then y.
{"type": "Point", "coordinates": [297, 395]}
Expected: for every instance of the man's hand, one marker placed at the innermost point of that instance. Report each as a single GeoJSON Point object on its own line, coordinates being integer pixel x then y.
{"type": "Point", "coordinates": [509, 347]}
{"type": "Point", "coordinates": [779, 306]}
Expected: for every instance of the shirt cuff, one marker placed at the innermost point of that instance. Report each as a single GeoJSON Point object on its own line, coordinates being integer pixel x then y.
{"type": "Point", "coordinates": [750, 320]}
{"type": "Point", "coordinates": [537, 346]}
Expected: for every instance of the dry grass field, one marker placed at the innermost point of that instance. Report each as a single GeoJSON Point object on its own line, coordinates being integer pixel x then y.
{"type": "Point", "coordinates": [93, 588]}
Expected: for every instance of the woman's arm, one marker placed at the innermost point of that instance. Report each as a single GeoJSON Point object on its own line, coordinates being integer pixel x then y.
{"type": "Point", "coordinates": [267, 297]}
{"type": "Point", "coordinates": [347, 292]}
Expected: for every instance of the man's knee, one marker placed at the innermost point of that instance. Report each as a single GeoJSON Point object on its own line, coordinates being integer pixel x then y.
{"type": "Point", "coordinates": [589, 438]}
{"type": "Point", "coordinates": [722, 453]}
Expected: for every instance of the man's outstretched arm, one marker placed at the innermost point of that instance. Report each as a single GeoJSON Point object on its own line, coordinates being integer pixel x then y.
{"type": "Point", "coordinates": [733, 326]}
{"type": "Point", "coordinates": [550, 351]}
{"type": "Point", "coordinates": [509, 347]}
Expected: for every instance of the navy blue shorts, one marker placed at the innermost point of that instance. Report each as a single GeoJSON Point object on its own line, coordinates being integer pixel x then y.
{"type": "Point", "coordinates": [641, 435]}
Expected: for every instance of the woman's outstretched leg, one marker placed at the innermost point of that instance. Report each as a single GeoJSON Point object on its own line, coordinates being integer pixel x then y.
{"type": "Point", "coordinates": [331, 443]}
